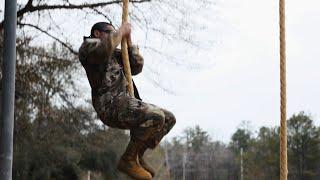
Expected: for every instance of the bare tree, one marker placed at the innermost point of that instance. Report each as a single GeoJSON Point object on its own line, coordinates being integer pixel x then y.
{"type": "Point", "coordinates": [163, 23]}
{"type": "Point", "coordinates": [171, 19]}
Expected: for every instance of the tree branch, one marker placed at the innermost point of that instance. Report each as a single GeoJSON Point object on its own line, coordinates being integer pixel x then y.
{"type": "Point", "coordinates": [30, 8]}
{"type": "Point", "coordinates": [81, 6]}
{"type": "Point", "coordinates": [53, 37]}
{"type": "Point", "coordinates": [102, 14]}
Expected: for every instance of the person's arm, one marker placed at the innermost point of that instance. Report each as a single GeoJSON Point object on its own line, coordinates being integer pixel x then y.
{"type": "Point", "coordinates": [96, 50]}
{"type": "Point", "coordinates": [129, 41]}
{"type": "Point", "coordinates": [136, 60]}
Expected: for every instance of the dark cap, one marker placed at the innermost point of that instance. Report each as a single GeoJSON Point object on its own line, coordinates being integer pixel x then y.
{"type": "Point", "coordinates": [100, 26]}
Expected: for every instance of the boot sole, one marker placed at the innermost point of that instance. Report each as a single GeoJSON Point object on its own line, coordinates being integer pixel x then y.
{"type": "Point", "coordinates": [125, 171]}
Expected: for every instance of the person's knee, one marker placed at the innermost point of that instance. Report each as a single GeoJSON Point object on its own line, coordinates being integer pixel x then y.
{"type": "Point", "coordinates": [170, 119]}
{"type": "Point", "coordinates": [154, 118]}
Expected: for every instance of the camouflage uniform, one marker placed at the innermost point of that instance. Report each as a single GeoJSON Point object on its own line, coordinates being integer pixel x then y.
{"type": "Point", "coordinates": [111, 100]}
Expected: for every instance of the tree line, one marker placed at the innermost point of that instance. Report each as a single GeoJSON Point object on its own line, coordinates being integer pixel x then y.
{"type": "Point", "coordinates": [195, 156]}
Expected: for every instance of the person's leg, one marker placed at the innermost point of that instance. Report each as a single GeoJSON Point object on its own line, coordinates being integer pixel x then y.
{"type": "Point", "coordinates": [143, 120]}
{"type": "Point", "coordinates": [155, 139]}
{"type": "Point", "coordinates": [129, 165]}
{"type": "Point", "coordinates": [130, 113]}
{"type": "Point", "coordinates": [148, 124]}
{"type": "Point", "coordinates": [170, 121]}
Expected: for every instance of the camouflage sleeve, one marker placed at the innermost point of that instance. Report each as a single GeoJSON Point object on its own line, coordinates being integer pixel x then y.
{"type": "Point", "coordinates": [95, 50]}
{"type": "Point", "coordinates": [136, 60]}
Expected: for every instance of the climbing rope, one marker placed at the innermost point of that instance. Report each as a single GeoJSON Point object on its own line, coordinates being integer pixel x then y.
{"type": "Point", "coordinates": [283, 124]}
{"type": "Point", "coordinates": [124, 48]}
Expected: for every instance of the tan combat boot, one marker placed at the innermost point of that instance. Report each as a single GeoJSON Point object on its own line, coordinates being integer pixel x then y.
{"type": "Point", "coordinates": [143, 163]}
{"type": "Point", "coordinates": [128, 163]}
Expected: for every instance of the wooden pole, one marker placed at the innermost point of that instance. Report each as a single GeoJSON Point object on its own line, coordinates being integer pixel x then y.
{"type": "Point", "coordinates": [241, 163]}
{"type": "Point", "coordinates": [124, 48]}
{"type": "Point", "coordinates": [283, 122]}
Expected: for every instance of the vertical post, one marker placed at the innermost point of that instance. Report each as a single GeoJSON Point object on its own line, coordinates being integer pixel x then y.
{"type": "Point", "coordinates": [167, 159]}
{"type": "Point", "coordinates": [8, 90]}
{"type": "Point", "coordinates": [184, 156]}
{"type": "Point", "coordinates": [241, 164]}
{"type": "Point", "coordinates": [89, 175]}
{"type": "Point", "coordinates": [283, 121]}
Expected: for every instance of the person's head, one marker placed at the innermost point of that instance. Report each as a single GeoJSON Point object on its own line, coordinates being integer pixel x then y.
{"type": "Point", "coordinates": [101, 29]}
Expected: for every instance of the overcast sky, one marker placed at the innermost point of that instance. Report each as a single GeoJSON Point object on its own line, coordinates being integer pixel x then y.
{"type": "Point", "coordinates": [238, 79]}
{"type": "Point", "coordinates": [235, 78]}
{"type": "Point", "coordinates": [242, 82]}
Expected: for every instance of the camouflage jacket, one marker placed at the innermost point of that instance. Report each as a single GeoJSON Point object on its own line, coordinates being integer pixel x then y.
{"type": "Point", "coordinates": [103, 65]}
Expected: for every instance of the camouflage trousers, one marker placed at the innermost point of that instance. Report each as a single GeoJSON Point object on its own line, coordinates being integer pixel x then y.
{"type": "Point", "coordinates": [147, 123]}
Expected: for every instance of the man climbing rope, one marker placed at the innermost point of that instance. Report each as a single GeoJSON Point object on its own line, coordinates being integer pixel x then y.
{"type": "Point", "coordinates": [110, 98]}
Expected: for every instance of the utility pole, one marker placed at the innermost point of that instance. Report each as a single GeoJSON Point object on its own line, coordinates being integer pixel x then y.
{"type": "Point", "coordinates": [89, 175]}
{"type": "Point", "coordinates": [167, 159]}
{"type": "Point", "coordinates": [184, 160]}
{"type": "Point", "coordinates": [241, 163]}
{"type": "Point", "coordinates": [8, 90]}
